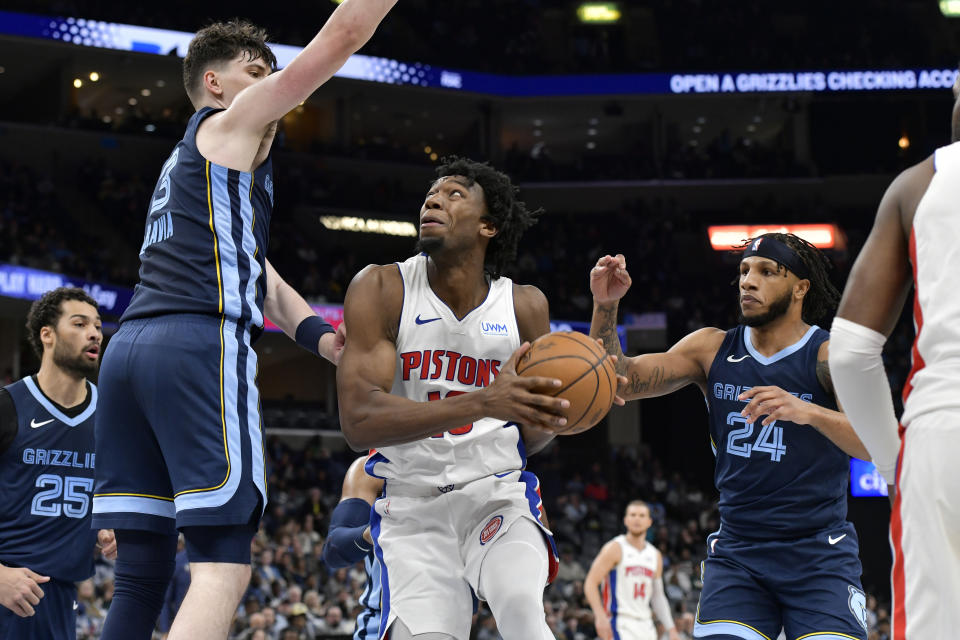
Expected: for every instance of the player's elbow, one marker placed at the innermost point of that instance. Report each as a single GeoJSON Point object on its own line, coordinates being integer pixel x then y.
{"type": "Point", "coordinates": [352, 426]}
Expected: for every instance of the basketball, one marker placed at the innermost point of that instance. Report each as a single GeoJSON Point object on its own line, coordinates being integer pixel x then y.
{"type": "Point", "coordinates": [589, 380]}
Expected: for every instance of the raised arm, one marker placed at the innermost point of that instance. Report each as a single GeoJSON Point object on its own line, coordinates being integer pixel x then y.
{"type": "Point", "coordinates": [371, 416]}
{"type": "Point", "coordinates": [288, 310]}
{"type": "Point", "coordinates": [651, 374]}
{"type": "Point", "coordinates": [349, 27]}
{"type": "Point", "coordinates": [872, 301]}
{"type": "Point", "coordinates": [603, 564]}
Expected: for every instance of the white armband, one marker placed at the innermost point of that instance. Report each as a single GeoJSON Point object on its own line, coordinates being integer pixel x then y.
{"type": "Point", "coordinates": [862, 388]}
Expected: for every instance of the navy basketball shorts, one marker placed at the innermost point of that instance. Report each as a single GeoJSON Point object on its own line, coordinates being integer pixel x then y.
{"type": "Point", "coordinates": [178, 428]}
{"type": "Point", "coordinates": [809, 587]}
{"type": "Point", "coordinates": [55, 617]}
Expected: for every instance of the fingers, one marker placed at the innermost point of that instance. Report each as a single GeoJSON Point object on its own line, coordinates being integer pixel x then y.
{"type": "Point", "coordinates": [36, 577]}
{"type": "Point", "coordinates": [33, 597]}
{"type": "Point", "coordinates": [511, 364]}
{"type": "Point", "coordinates": [23, 609]}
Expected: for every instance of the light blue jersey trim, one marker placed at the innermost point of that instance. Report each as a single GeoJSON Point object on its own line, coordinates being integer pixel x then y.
{"type": "Point", "coordinates": [223, 223]}
{"type": "Point", "coordinates": [827, 636]}
{"type": "Point", "coordinates": [231, 386]}
{"type": "Point", "coordinates": [779, 355]}
{"type": "Point", "coordinates": [254, 422]}
{"type": "Point", "coordinates": [250, 248]}
{"type": "Point", "coordinates": [134, 504]}
{"type": "Point", "coordinates": [729, 628]}
{"type": "Point", "coordinates": [56, 413]}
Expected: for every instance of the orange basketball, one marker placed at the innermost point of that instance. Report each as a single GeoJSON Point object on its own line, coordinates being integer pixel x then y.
{"type": "Point", "coordinates": [588, 375]}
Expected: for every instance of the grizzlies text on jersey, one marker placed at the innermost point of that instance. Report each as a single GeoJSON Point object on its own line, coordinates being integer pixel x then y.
{"type": "Point", "coordinates": [781, 480]}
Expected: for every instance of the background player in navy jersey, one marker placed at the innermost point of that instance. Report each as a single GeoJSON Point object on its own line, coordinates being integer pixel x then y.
{"type": "Point", "coordinates": [46, 471]}
{"type": "Point", "coordinates": [785, 555]}
{"type": "Point", "coordinates": [178, 431]}
{"type": "Point", "coordinates": [459, 518]}
{"type": "Point", "coordinates": [349, 541]}
{"type": "Point", "coordinates": [915, 237]}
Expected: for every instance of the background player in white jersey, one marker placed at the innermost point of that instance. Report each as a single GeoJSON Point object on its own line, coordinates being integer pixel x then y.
{"type": "Point", "coordinates": [630, 569]}
{"type": "Point", "coordinates": [427, 378]}
{"type": "Point", "coordinates": [917, 228]}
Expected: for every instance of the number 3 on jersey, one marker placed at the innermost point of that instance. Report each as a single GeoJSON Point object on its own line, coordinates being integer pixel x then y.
{"type": "Point", "coordinates": [770, 439]}
{"type": "Point", "coordinates": [459, 431]}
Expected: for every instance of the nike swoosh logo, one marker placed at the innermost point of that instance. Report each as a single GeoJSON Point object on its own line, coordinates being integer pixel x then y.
{"type": "Point", "coordinates": [740, 359]}
{"type": "Point", "coordinates": [76, 605]}
{"type": "Point", "coordinates": [34, 424]}
{"type": "Point", "coordinates": [833, 540]}
{"type": "Point", "coordinates": [418, 320]}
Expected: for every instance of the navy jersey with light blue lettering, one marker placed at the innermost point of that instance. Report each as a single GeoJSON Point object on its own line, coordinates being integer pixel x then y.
{"type": "Point", "coordinates": [368, 622]}
{"type": "Point", "coordinates": [781, 480]}
{"type": "Point", "coordinates": [205, 237]}
{"type": "Point", "coordinates": [46, 484]}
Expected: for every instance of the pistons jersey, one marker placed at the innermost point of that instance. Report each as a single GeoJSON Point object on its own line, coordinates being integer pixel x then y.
{"type": "Point", "coordinates": [629, 586]}
{"type": "Point", "coordinates": [439, 356]}
{"type": "Point", "coordinates": [46, 480]}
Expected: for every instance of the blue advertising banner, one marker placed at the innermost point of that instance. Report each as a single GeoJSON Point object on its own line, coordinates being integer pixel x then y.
{"type": "Point", "coordinates": [126, 37]}
{"type": "Point", "coordinates": [865, 480]}
{"type": "Point", "coordinates": [31, 284]}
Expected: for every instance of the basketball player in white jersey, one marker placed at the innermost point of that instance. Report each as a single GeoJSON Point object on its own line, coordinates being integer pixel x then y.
{"type": "Point", "coordinates": [630, 569]}
{"type": "Point", "coordinates": [916, 231]}
{"type": "Point", "coordinates": [427, 378]}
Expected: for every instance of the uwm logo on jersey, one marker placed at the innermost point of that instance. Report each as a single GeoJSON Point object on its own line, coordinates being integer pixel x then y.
{"type": "Point", "coordinates": [448, 365]}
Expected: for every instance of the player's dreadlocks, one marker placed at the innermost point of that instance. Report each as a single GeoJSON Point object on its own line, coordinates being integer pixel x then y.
{"type": "Point", "coordinates": [822, 297]}
{"type": "Point", "coordinates": [510, 216]}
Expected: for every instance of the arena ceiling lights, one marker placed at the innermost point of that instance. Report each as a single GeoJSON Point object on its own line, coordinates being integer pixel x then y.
{"type": "Point", "coordinates": [731, 237]}
{"type": "Point", "coordinates": [950, 8]}
{"type": "Point", "coordinates": [369, 225]}
{"type": "Point", "coordinates": [599, 12]}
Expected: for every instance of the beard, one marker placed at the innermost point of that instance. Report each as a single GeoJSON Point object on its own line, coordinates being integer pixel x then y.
{"type": "Point", "coordinates": [776, 309]}
{"type": "Point", "coordinates": [428, 245]}
{"type": "Point", "coordinates": [77, 364]}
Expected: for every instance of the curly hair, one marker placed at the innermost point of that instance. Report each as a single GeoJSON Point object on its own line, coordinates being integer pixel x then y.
{"type": "Point", "coordinates": [822, 298]}
{"type": "Point", "coordinates": [509, 215]}
{"type": "Point", "coordinates": [222, 42]}
{"type": "Point", "coordinates": [46, 312]}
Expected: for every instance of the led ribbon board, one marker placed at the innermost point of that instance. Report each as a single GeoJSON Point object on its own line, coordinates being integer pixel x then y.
{"type": "Point", "coordinates": [730, 237]}
{"type": "Point", "coordinates": [125, 37]}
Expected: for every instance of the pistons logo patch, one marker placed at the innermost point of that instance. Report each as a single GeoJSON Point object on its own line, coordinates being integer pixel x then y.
{"type": "Point", "coordinates": [490, 529]}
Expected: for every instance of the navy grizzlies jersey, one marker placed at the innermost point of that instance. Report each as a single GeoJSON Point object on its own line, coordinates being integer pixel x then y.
{"type": "Point", "coordinates": [205, 237]}
{"type": "Point", "coordinates": [781, 480]}
{"type": "Point", "coordinates": [46, 480]}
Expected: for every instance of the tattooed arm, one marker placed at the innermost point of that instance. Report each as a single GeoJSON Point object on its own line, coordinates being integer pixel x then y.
{"type": "Point", "coordinates": [652, 374]}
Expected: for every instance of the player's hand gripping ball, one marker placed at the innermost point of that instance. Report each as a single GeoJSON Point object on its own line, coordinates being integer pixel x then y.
{"type": "Point", "coordinates": [589, 379]}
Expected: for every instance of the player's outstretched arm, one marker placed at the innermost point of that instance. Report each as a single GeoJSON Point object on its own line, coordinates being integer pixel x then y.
{"type": "Point", "coordinates": [349, 27]}
{"type": "Point", "coordinates": [652, 374]}
{"type": "Point", "coordinates": [603, 564]}
{"type": "Point", "coordinates": [872, 301]}
{"type": "Point", "coordinates": [20, 589]}
{"type": "Point", "coordinates": [370, 416]}
{"type": "Point", "coordinates": [348, 539]}
{"type": "Point", "coordinates": [288, 310]}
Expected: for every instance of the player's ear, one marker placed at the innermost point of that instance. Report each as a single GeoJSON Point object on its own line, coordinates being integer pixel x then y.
{"type": "Point", "coordinates": [46, 335]}
{"type": "Point", "coordinates": [801, 288]}
{"type": "Point", "coordinates": [211, 83]}
{"type": "Point", "coordinates": [488, 228]}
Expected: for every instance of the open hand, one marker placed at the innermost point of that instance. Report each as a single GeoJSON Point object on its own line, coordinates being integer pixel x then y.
{"type": "Point", "coordinates": [516, 398]}
{"type": "Point", "coordinates": [776, 404]}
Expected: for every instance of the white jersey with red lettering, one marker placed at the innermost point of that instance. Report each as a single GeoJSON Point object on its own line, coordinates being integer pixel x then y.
{"type": "Point", "coordinates": [447, 499]}
{"type": "Point", "coordinates": [439, 355]}
{"type": "Point", "coordinates": [926, 515]}
{"type": "Point", "coordinates": [628, 588]}
{"type": "Point", "coordinates": [935, 253]}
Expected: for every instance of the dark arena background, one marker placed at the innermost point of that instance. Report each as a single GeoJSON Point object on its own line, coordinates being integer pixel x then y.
{"type": "Point", "coordinates": [666, 130]}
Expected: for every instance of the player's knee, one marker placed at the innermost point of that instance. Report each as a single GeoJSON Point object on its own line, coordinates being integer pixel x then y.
{"type": "Point", "coordinates": [145, 563]}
